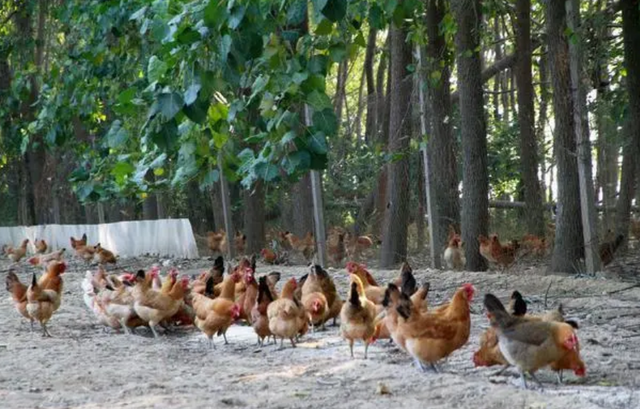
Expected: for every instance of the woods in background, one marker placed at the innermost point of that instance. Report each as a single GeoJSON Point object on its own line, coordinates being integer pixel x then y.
{"type": "Point", "coordinates": [115, 111]}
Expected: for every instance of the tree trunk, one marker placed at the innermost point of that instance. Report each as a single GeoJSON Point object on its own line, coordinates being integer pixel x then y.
{"type": "Point", "coordinates": [526, 121]}
{"type": "Point", "coordinates": [339, 99]}
{"type": "Point", "coordinates": [568, 244]}
{"type": "Point", "coordinates": [631, 34]}
{"type": "Point", "coordinates": [254, 226]}
{"type": "Point", "coordinates": [442, 144]}
{"type": "Point", "coordinates": [302, 202]}
{"type": "Point", "coordinates": [216, 205]}
{"type": "Point", "coordinates": [475, 198]}
{"type": "Point", "coordinates": [381, 98]}
{"type": "Point", "coordinates": [497, 80]}
{"type": "Point", "coordinates": [372, 117]}
{"type": "Point", "coordinates": [394, 239]}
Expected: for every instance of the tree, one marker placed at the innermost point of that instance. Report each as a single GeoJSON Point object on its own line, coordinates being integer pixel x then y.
{"type": "Point", "coordinates": [568, 244]}
{"type": "Point", "coordinates": [526, 120]}
{"type": "Point", "coordinates": [442, 157]}
{"type": "Point", "coordinates": [475, 184]}
{"type": "Point", "coordinates": [396, 216]}
{"type": "Point", "coordinates": [631, 34]}
{"type": "Point", "coordinates": [254, 217]}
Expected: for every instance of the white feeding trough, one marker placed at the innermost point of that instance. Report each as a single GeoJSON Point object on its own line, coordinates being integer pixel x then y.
{"type": "Point", "coordinates": [166, 237]}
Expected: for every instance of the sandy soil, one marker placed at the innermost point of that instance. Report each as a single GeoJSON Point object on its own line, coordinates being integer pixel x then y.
{"type": "Point", "coordinates": [86, 366]}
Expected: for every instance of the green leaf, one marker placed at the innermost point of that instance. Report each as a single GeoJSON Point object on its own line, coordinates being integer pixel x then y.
{"type": "Point", "coordinates": [188, 36]}
{"type": "Point", "coordinates": [258, 85]}
{"type": "Point", "coordinates": [359, 40]}
{"type": "Point", "coordinates": [318, 143]}
{"type": "Point", "coordinates": [318, 5]}
{"type": "Point", "coordinates": [236, 16]}
{"type": "Point", "coordinates": [197, 112]}
{"type": "Point", "coordinates": [225, 47]}
{"type": "Point", "coordinates": [127, 95]}
{"type": "Point", "coordinates": [297, 12]}
{"type": "Point", "coordinates": [214, 15]}
{"type": "Point", "coordinates": [158, 171]}
{"type": "Point", "coordinates": [376, 17]}
{"type": "Point", "coordinates": [167, 136]}
{"type": "Point", "coordinates": [156, 69]}
{"type": "Point", "coordinates": [191, 93]}
{"type": "Point", "coordinates": [139, 14]}
{"type": "Point", "coordinates": [318, 64]}
{"type": "Point", "coordinates": [212, 176]}
{"type": "Point", "coordinates": [219, 139]}
{"type": "Point", "coordinates": [159, 161]}
{"type": "Point", "coordinates": [300, 77]}
{"type": "Point", "coordinates": [325, 27]}
{"type": "Point", "coordinates": [170, 103]}
{"type": "Point", "coordinates": [121, 170]}
{"type": "Point", "coordinates": [338, 52]}
{"type": "Point", "coordinates": [117, 135]}
{"type": "Point", "coordinates": [319, 100]}
{"type": "Point", "coordinates": [335, 10]}
{"type": "Point", "coordinates": [267, 171]}
{"type": "Point", "coordinates": [326, 121]}
{"type": "Point", "coordinates": [297, 161]}
{"type": "Point", "coordinates": [217, 112]}
{"type": "Point", "coordinates": [288, 137]}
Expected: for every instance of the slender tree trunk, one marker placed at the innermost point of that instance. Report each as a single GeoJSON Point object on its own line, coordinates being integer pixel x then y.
{"type": "Point", "coordinates": [339, 99]}
{"type": "Point", "coordinates": [254, 220]}
{"type": "Point", "coordinates": [216, 205]}
{"type": "Point", "coordinates": [475, 198]}
{"type": "Point", "coordinates": [372, 117]}
{"type": "Point", "coordinates": [526, 121]}
{"type": "Point", "coordinates": [396, 217]}
{"type": "Point", "coordinates": [442, 145]}
{"type": "Point", "coordinates": [542, 119]}
{"type": "Point", "coordinates": [302, 202]}
{"type": "Point", "coordinates": [631, 34]}
{"type": "Point", "coordinates": [497, 81]}
{"type": "Point", "coordinates": [381, 98]}
{"type": "Point", "coordinates": [568, 243]}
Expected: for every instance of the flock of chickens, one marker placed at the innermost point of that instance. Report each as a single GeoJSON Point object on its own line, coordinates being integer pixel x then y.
{"type": "Point", "coordinates": [399, 311]}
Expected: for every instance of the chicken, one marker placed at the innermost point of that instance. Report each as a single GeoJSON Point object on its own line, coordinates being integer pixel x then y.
{"type": "Point", "coordinates": [75, 243]}
{"type": "Point", "coordinates": [240, 243]}
{"type": "Point", "coordinates": [406, 281]}
{"type": "Point", "coordinates": [374, 293]}
{"type": "Point", "coordinates": [216, 273]}
{"type": "Point", "coordinates": [18, 295]}
{"type": "Point", "coordinates": [336, 248]}
{"type": "Point", "coordinates": [112, 307]}
{"type": "Point", "coordinates": [493, 251]}
{"type": "Point", "coordinates": [215, 316]}
{"type": "Point", "coordinates": [284, 314]}
{"type": "Point", "coordinates": [17, 253]}
{"type": "Point", "coordinates": [386, 323]}
{"type": "Point", "coordinates": [104, 256]}
{"type": "Point", "coordinates": [52, 280]}
{"type": "Point", "coordinates": [214, 241]}
{"type": "Point", "coordinates": [485, 248]}
{"type": "Point", "coordinates": [168, 283]}
{"type": "Point", "coordinates": [313, 299]}
{"type": "Point", "coordinates": [41, 246]}
{"type": "Point", "coordinates": [356, 246]}
{"type": "Point", "coordinates": [351, 266]}
{"type": "Point", "coordinates": [272, 279]}
{"type": "Point", "coordinates": [41, 304]}
{"type": "Point", "coordinates": [85, 252]}
{"type": "Point", "coordinates": [305, 246]}
{"type": "Point", "coordinates": [454, 255]}
{"type": "Point", "coordinates": [357, 316]}
{"type": "Point", "coordinates": [154, 307]}
{"type": "Point", "coordinates": [530, 345]}
{"type": "Point", "coordinates": [259, 318]}
{"type": "Point", "coordinates": [534, 244]}
{"type": "Point", "coordinates": [432, 336]}
{"type": "Point", "coordinates": [328, 288]}
{"type": "Point", "coordinates": [269, 256]}
{"type": "Point", "coordinates": [608, 249]}
{"type": "Point", "coordinates": [489, 353]}
{"type": "Point", "coordinates": [247, 299]}
{"type": "Point", "coordinates": [43, 260]}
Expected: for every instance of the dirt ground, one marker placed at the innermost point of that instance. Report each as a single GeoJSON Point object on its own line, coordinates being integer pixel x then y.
{"type": "Point", "coordinates": [87, 366]}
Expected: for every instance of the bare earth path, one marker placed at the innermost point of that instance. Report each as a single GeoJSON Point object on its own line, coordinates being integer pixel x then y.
{"type": "Point", "coordinates": [86, 366]}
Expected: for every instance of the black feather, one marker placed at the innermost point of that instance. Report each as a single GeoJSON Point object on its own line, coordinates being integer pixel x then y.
{"type": "Point", "coordinates": [404, 306]}
{"type": "Point", "coordinates": [140, 275]}
{"type": "Point", "coordinates": [573, 323]}
{"type": "Point", "coordinates": [208, 289]}
{"type": "Point", "coordinates": [409, 284]}
{"type": "Point", "coordinates": [354, 298]}
{"type": "Point", "coordinates": [519, 304]}
{"type": "Point", "coordinates": [34, 281]}
{"type": "Point", "coordinates": [500, 315]}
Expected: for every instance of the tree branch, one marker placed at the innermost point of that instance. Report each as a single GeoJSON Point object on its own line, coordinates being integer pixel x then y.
{"type": "Point", "coordinates": [499, 66]}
